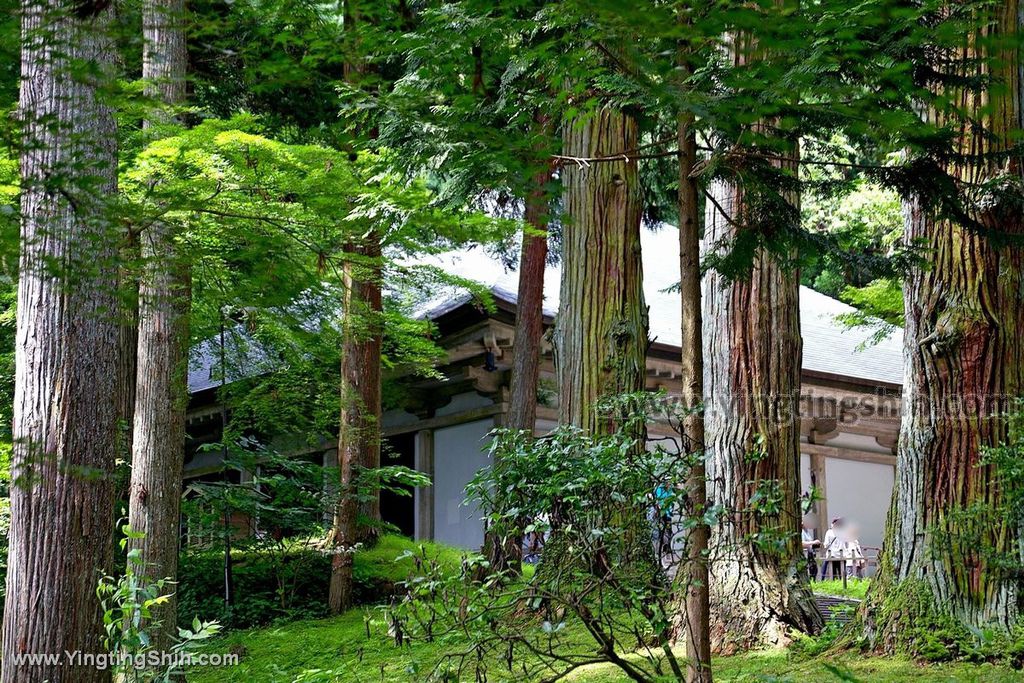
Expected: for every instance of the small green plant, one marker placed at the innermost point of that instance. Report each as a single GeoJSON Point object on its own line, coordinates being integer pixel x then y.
{"type": "Point", "coordinates": [129, 605]}
{"type": "Point", "coordinates": [812, 646]}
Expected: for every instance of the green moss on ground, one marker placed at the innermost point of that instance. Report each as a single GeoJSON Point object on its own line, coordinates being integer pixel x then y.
{"type": "Point", "coordinates": [302, 571]}
{"type": "Point", "coordinates": [356, 646]}
{"type": "Point", "coordinates": [338, 650]}
{"type": "Point", "coordinates": [380, 562]}
{"type": "Point", "coordinates": [909, 623]}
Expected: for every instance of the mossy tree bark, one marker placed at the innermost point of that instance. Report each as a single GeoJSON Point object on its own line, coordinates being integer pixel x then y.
{"type": "Point", "coordinates": [963, 356]}
{"type": "Point", "coordinates": [161, 390]}
{"type": "Point", "coordinates": [601, 331]}
{"type": "Point", "coordinates": [65, 416]}
{"type": "Point", "coordinates": [752, 355]}
{"type": "Point", "coordinates": [752, 361]}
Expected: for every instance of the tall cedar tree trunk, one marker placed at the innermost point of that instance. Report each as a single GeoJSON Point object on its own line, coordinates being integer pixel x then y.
{"type": "Point", "coordinates": [752, 353]}
{"type": "Point", "coordinates": [359, 426]}
{"type": "Point", "coordinates": [161, 397]}
{"type": "Point", "coordinates": [65, 418]}
{"type": "Point", "coordinates": [964, 341]}
{"type": "Point", "coordinates": [601, 330]}
{"type": "Point", "coordinates": [529, 329]}
{"type": "Point", "coordinates": [359, 423]}
{"type": "Point", "coordinates": [696, 606]}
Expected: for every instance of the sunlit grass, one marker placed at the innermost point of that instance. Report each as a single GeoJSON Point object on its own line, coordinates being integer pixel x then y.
{"type": "Point", "coordinates": [855, 588]}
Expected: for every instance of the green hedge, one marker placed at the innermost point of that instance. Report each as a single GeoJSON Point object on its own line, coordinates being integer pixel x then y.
{"type": "Point", "coordinates": [259, 599]}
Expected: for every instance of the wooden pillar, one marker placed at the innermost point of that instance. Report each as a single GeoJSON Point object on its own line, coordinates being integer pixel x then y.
{"type": "Point", "coordinates": [423, 497]}
{"type": "Point", "coordinates": [820, 505]}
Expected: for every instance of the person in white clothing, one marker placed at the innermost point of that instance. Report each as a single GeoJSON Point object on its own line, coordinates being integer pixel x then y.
{"type": "Point", "coordinates": [833, 547]}
{"type": "Point", "coordinates": [853, 553]}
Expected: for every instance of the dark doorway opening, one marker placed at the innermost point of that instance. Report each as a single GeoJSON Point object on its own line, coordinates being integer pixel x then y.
{"type": "Point", "coordinates": [395, 509]}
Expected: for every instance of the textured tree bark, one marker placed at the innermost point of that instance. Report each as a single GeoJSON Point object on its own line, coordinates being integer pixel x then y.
{"type": "Point", "coordinates": [601, 331]}
{"type": "Point", "coordinates": [127, 354]}
{"type": "Point", "coordinates": [696, 624]}
{"type": "Point", "coordinates": [161, 396]}
{"type": "Point", "coordinates": [359, 425]}
{"type": "Point", "coordinates": [529, 329]}
{"type": "Point", "coordinates": [963, 346]}
{"type": "Point", "coordinates": [752, 353]}
{"type": "Point", "coordinates": [65, 418]}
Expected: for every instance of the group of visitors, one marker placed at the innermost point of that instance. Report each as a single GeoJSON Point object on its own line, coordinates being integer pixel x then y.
{"type": "Point", "coordinates": [840, 551]}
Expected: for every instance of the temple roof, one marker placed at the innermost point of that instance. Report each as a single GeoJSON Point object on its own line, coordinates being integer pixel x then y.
{"type": "Point", "coordinates": [829, 347]}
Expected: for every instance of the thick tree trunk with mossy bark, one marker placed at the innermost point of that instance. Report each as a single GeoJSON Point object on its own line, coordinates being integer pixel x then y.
{"type": "Point", "coordinates": [752, 353]}
{"type": "Point", "coordinates": [65, 417]}
{"type": "Point", "coordinates": [601, 331]}
{"type": "Point", "coordinates": [359, 425]}
{"type": "Point", "coordinates": [948, 550]}
{"type": "Point", "coordinates": [161, 389]}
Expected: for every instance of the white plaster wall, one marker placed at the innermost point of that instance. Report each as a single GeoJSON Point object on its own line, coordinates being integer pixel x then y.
{"type": "Point", "coordinates": [458, 455]}
{"type": "Point", "coordinates": [860, 493]}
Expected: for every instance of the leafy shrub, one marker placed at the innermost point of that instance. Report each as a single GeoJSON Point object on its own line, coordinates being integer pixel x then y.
{"type": "Point", "coordinates": [291, 585]}
{"type": "Point", "coordinates": [610, 508]}
{"type": "Point", "coordinates": [265, 589]}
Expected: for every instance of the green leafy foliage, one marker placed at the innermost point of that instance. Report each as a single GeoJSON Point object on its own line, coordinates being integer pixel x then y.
{"type": "Point", "coordinates": [278, 590]}
{"type": "Point", "coordinates": [129, 604]}
{"type": "Point", "coordinates": [608, 508]}
{"type": "Point", "coordinates": [865, 224]}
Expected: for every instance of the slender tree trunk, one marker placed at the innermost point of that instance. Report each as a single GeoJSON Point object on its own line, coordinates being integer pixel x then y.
{"type": "Point", "coordinates": [696, 625]}
{"type": "Point", "coordinates": [359, 425]}
{"type": "Point", "coordinates": [162, 361]}
{"type": "Point", "coordinates": [601, 332]}
{"type": "Point", "coordinates": [65, 418]}
{"type": "Point", "coordinates": [529, 329]}
{"type": "Point", "coordinates": [127, 354]}
{"type": "Point", "coordinates": [361, 374]}
{"type": "Point", "coordinates": [229, 570]}
{"type": "Point", "coordinates": [946, 543]}
{"type": "Point", "coordinates": [363, 377]}
{"type": "Point", "coordinates": [752, 353]}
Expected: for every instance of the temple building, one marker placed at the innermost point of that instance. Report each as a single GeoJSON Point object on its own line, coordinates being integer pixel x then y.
{"type": "Point", "coordinates": [849, 406]}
